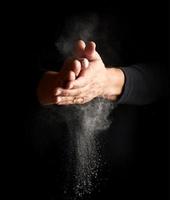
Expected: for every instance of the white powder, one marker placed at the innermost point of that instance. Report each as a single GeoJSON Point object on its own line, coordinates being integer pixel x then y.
{"type": "Point", "coordinates": [82, 151]}
{"type": "Point", "coordinates": [85, 125]}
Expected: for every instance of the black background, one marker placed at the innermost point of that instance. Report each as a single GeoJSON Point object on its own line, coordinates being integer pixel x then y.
{"type": "Point", "coordinates": [31, 30]}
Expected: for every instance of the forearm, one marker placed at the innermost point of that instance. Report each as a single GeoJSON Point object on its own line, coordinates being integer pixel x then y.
{"type": "Point", "coordinates": [144, 83]}
{"type": "Point", "coordinates": [137, 84]}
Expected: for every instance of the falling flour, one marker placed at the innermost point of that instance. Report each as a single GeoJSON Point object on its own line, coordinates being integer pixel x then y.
{"type": "Point", "coordinates": [84, 124]}
{"type": "Point", "coordinates": [83, 129]}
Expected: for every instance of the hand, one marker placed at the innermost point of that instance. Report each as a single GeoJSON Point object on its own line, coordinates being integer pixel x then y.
{"type": "Point", "coordinates": [51, 80]}
{"type": "Point", "coordinates": [95, 81]}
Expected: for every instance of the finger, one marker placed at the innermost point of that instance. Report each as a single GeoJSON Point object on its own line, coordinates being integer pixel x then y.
{"type": "Point", "coordinates": [84, 62]}
{"type": "Point", "coordinates": [56, 100]}
{"type": "Point", "coordinates": [90, 51]}
{"type": "Point", "coordinates": [79, 48]}
{"type": "Point", "coordinates": [76, 67]}
{"type": "Point", "coordinates": [72, 93]}
{"type": "Point", "coordinates": [66, 103]}
{"type": "Point", "coordinates": [50, 101]}
{"type": "Point", "coordinates": [66, 78]}
{"type": "Point", "coordinates": [70, 70]}
{"type": "Point", "coordinates": [69, 85]}
{"type": "Point", "coordinates": [64, 72]}
{"type": "Point", "coordinates": [71, 100]}
{"type": "Point", "coordinates": [61, 99]}
{"type": "Point", "coordinates": [71, 76]}
{"type": "Point", "coordinates": [67, 63]}
{"type": "Point", "coordinates": [78, 83]}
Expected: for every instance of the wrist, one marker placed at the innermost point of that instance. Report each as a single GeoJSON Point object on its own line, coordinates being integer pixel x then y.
{"type": "Point", "coordinates": [114, 84]}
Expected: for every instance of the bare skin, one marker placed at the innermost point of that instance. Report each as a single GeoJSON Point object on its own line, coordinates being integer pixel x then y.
{"type": "Point", "coordinates": [94, 81]}
{"type": "Point", "coordinates": [51, 80]}
{"type": "Point", "coordinates": [78, 83]}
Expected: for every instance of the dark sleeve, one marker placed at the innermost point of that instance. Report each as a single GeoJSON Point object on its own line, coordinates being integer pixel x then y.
{"type": "Point", "coordinates": [145, 67]}
{"type": "Point", "coordinates": [144, 84]}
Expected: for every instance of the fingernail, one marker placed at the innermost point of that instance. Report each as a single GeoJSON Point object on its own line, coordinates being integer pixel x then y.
{"type": "Point", "coordinates": [85, 63]}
